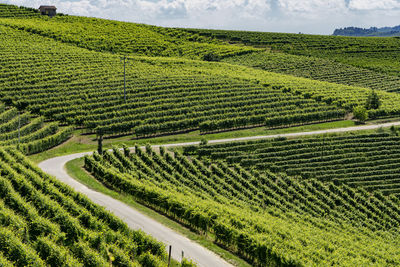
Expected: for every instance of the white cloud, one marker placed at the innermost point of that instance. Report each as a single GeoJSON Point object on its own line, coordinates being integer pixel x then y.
{"type": "Point", "coordinates": [309, 6]}
{"type": "Point", "coordinates": [374, 4]}
{"type": "Point", "coordinates": [309, 16]}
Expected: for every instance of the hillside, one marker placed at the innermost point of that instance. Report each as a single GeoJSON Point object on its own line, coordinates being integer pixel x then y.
{"type": "Point", "coordinates": [45, 223]}
{"type": "Point", "coordinates": [362, 160]}
{"type": "Point", "coordinates": [269, 219]}
{"type": "Point", "coordinates": [310, 201]}
{"type": "Point", "coordinates": [125, 38]}
{"type": "Point", "coordinates": [12, 11]}
{"type": "Point", "coordinates": [94, 95]}
{"type": "Point", "coordinates": [82, 87]}
{"type": "Point", "coordinates": [29, 133]}
{"type": "Point", "coordinates": [375, 54]}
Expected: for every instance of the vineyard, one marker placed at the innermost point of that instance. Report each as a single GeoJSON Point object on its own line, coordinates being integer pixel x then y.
{"type": "Point", "coordinates": [319, 200]}
{"type": "Point", "coordinates": [45, 223]}
{"type": "Point", "coordinates": [370, 161]}
{"type": "Point", "coordinates": [31, 134]}
{"type": "Point", "coordinates": [11, 11]}
{"type": "Point", "coordinates": [125, 38]}
{"type": "Point", "coordinates": [377, 54]}
{"type": "Point", "coordinates": [164, 95]}
{"type": "Point", "coordinates": [160, 100]}
{"type": "Point", "coordinates": [267, 218]}
{"type": "Point", "coordinates": [318, 69]}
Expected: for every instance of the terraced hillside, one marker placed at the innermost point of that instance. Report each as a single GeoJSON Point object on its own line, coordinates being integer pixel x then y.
{"type": "Point", "coordinates": [12, 11]}
{"type": "Point", "coordinates": [316, 201]}
{"type": "Point", "coordinates": [30, 133]}
{"type": "Point", "coordinates": [377, 53]}
{"type": "Point", "coordinates": [163, 95]}
{"type": "Point", "coordinates": [318, 69]}
{"type": "Point", "coordinates": [370, 161]}
{"type": "Point", "coordinates": [267, 218]}
{"type": "Point", "coordinates": [45, 223]}
{"type": "Point", "coordinates": [125, 38]}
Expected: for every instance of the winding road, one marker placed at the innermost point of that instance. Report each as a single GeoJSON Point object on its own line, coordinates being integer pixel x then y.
{"type": "Point", "coordinates": [136, 220]}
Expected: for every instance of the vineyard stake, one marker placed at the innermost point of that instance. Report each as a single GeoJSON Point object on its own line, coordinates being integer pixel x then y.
{"type": "Point", "coordinates": [169, 255]}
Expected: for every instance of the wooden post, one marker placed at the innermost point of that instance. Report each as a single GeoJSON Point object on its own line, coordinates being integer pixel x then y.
{"type": "Point", "coordinates": [169, 255]}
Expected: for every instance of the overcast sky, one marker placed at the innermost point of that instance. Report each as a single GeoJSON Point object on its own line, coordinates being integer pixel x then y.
{"type": "Point", "coordinates": [307, 16]}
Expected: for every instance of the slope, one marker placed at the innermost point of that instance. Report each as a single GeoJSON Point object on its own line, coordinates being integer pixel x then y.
{"type": "Point", "coordinates": [45, 223]}
{"type": "Point", "coordinates": [29, 133]}
{"type": "Point", "coordinates": [360, 160]}
{"type": "Point", "coordinates": [12, 11]}
{"type": "Point", "coordinates": [125, 38]}
{"type": "Point", "coordinates": [378, 54]}
{"type": "Point", "coordinates": [164, 95]}
{"type": "Point", "coordinates": [317, 69]}
{"type": "Point", "coordinates": [267, 218]}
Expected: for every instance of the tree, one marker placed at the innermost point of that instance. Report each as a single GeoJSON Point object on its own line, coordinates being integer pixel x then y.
{"type": "Point", "coordinates": [373, 101]}
{"type": "Point", "coordinates": [360, 113]}
{"type": "Point", "coordinates": [100, 144]}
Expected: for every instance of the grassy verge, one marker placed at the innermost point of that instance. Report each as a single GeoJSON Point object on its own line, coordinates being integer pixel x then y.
{"type": "Point", "coordinates": [75, 169]}
{"type": "Point", "coordinates": [82, 143]}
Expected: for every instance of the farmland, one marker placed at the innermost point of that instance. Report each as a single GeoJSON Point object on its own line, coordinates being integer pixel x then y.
{"type": "Point", "coordinates": [45, 223]}
{"type": "Point", "coordinates": [30, 133]}
{"type": "Point", "coordinates": [318, 69]}
{"type": "Point", "coordinates": [262, 216]}
{"type": "Point", "coordinates": [318, 200]}
{"type": "Point", "coordinates": [186, 95]}
{"type": "Point", "coordinates": [359, 160]}
{"type": "Point", "coordinates": [376, 54]}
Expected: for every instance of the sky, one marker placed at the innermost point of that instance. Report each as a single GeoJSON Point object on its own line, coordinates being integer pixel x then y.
{"type": "Point", "coordinates": [306, 16]}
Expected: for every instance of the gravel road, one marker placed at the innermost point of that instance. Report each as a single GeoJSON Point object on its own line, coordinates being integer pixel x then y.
{"type": "Point", "coordinates": [137, 220]}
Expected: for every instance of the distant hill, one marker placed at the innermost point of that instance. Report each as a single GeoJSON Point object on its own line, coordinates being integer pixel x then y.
{"type": "Point", "coordinates": [373, 31]}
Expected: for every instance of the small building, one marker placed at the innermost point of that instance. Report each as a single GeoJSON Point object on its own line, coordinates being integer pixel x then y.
{"type": "Point", "coordinates": [48, 10]}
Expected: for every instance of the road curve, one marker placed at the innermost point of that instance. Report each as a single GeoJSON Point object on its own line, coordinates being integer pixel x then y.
{"type": "Point", "coordinates": [136, 220]}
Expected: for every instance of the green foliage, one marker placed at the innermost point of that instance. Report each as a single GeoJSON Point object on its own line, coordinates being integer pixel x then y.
{"type": "Point", "coordinates": [163, 95]}
{"type": "Point", "coordinates": [43, 222]}
{"type": "Point", "coordinates": [373, 101]}
{"type": "Point", "coordinates": [360, 113]}
{"type": "Point", "coordinates": [34, 135]}
{"type": "Point", "coordinates": [126, 38]}
{"type": "Point", "coordinates": [187, 263]}
{"type": "Point", "coordinates": [377, 54]}
{"type": "Point", "coordinates": [268, 219]}
{"type": "Point", "coordinates": [12, 11]}
{"type": "Point", "coordinates": [359, 160]}
{"type": "Point", "coordinates": [211, 57]}
{"type": "Point", "coordinates": [316, 68]}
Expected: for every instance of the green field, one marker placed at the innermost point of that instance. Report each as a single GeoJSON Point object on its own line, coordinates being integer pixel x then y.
{"type": "Point", "coordinates": [358, 159]}
{"type": "Point", "coordinates": [30, 133]}
{"type": "Point", "coordinates": [45, 223]}
{"type": "Point", "coordinates": [321, 200]}
{"type": "Point", "coordinates": [316, 68]}
{"type": "Point", "coordinates": [379, 54]}
{"type": "Point", "coordinates": [269, 219]}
